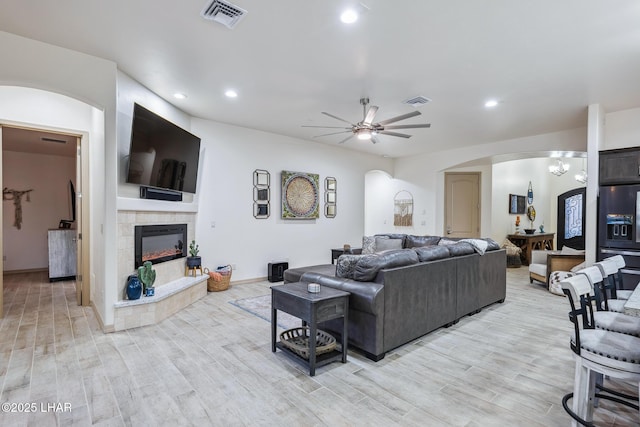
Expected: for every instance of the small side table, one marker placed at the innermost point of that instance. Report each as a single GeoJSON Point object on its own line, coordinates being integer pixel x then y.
{"type": "Point", "coordinates": [311, 308]}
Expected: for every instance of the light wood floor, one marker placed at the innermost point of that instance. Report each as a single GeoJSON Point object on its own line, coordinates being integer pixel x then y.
{"type": "Point", "coordinates": [211, 364]}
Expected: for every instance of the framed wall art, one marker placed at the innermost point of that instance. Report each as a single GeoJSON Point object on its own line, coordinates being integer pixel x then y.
{"type": "Point", "coordinates": [300, 195]}
{"type": "Point", "coordinates": [330, 197]}
{"type": "Point", "coordinates": [516, 204]}
{"type": "Point", "coordinates": [261, 194]}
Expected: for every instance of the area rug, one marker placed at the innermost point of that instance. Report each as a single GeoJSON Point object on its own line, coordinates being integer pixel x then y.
{"type": "Point", "coordinates": [261, 307]}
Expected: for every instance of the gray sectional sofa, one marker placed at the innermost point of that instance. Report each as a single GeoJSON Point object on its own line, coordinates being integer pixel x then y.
{"type": "Point", "coordinates": [398, 295]}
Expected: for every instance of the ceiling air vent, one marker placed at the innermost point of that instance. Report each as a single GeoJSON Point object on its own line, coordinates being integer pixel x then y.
{"type": "Point", "coordinates": [417, 101]}
{"type": "Point", "coordinates": [223, 12]}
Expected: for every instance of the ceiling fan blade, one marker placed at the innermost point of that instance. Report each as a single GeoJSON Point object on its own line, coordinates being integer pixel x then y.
{"type": "Point", "coordinates": [398, 118]}
{"type": "Point", "coordinates": [325, 127]}
{"type": "Point", "coordinates": [401, 135]}
{"type": "Point", "coordinates": [337, 118]}
{"type": "Point", "coordinates": [427, 125]}
{"type": "Point", "coordinates": [332, 133]}
{"type": "Point", "coordinates": [371, 113]}
{"type": "Point", "coordinates": [347, 138]}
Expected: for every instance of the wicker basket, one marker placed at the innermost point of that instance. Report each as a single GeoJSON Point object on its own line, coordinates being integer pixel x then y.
{"type": "Point", "coordinates": [297, 340]}
{"type": "Point", "coordinates": [218, 281]}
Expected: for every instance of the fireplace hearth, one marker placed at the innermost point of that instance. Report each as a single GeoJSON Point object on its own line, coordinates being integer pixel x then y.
{"type": "Point", "coordinates": [160, 243]}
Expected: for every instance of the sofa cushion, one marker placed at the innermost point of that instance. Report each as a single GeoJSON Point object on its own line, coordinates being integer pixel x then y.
{"type": "Point", "coordinates": [539, 269]}
{"type": "Point", "coordinates": [432, 253]}
{"type": "Point", "coordinates": [368, 266]}
{"type": "Point", "coordinates": [368, 244]}
{"type": "Point", "coordinates": [346, 265]}
{"type": "Point", "coordinates": [418, 241]}
{"type": "Point", "coordinates": [384, 243]}
{"type": "Point", "coordinates": [460, 248]}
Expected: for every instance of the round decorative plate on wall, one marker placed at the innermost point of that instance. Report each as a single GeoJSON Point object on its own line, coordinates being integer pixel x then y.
{"type": "Point", "coordinates": [299, 195]}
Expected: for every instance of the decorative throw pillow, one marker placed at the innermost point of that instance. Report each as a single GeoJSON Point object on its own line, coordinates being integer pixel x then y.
{"type": "Point", "coordinates": [579, 267]}
{"type": "Point", "coordinates": [554, 281]}
{"type": "Point", "coordinates": [566, 250]}
{"type": "Point", "coordinates": [346, 265]}
{"type": "Point", "coordinates": [368, 244]}
{"type": "Point", "coordinates": [384, 243]}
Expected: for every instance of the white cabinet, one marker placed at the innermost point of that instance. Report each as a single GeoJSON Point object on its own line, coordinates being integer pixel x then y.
{"type": "Point", "coordinates": [62, 254]}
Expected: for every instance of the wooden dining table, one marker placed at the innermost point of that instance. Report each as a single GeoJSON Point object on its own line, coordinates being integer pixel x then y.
{"type": "Point", "coordinates": [632, 306]}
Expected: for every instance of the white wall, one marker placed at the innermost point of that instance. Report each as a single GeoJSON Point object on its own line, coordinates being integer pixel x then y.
{"type": "Point", "coordinates": [225, 198]}
{"type": "Point", "coordinates": [513, 177]}
{"type": "Point", "coordinates": [424, 176]}
{"type": "Point", "coordinates": [88, 108]}
{"type": "Point", "coordinates": [48, 177]}
{"type": "Point", "coordinates": [622, 129]}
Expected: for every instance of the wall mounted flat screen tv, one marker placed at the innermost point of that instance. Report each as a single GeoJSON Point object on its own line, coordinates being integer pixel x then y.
{"type": "Point", "coordinates": [162, 154]}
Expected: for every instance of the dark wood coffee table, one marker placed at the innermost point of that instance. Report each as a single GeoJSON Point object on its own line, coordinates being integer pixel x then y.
{"type": "Point", "coordinates": [311, 308]}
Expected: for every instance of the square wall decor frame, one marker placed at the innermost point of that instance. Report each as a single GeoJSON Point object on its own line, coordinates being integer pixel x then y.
{"type": "Point", "coordinates": [261, 194]}
{"type": "Point", "coordinates": [300, 198]}
{"type": "Point", "coordinates": [330, 197]}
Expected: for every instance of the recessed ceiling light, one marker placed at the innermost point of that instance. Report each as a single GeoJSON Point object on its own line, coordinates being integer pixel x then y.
{"type": "Point", "coordinates": [349, 16]}
{"type": "Point", "coordinates": [231, 93]}
{"type": "Point", "coordinates": [491, 103]}
{"type": "Point", "coordinates": [179, 95]}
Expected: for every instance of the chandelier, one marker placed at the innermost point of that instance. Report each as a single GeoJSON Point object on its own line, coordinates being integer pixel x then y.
{"type": "Point", "coordinates": [581, 176]}
{"type": "Point", "coordinates": [559, 168]}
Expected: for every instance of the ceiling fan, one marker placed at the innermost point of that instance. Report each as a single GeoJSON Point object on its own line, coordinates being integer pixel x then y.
{"type": "Point", "coordinates": [367, 129]}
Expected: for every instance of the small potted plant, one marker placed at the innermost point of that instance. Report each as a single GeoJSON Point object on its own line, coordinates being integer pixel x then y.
{"type": "Point", "coordinates": [147, 276]}
{"type": "Point", "coordinates": [193, 260]}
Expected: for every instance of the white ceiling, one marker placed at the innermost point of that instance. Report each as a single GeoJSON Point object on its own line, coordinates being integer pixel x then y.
{"type": "Point", "coordinates": [545, 61]}
{"type": "Point", "coordinates": [38, 141]}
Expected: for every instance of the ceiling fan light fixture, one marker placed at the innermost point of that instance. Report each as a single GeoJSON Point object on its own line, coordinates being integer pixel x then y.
{"type": "Point", "coordinates": [349, 16]}
{"type": "Point", "coordinates": [364, 134]}
{"type": "Point", "coordinates": [559, 168]}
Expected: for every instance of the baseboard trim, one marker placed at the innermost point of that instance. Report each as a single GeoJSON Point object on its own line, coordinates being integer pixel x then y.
{"type": "Point", "coordinates": [105, 328]}
{"type": "Point", "coordinates": [30, 270]}
{"type": "Point", "coordinates": [247, 281]}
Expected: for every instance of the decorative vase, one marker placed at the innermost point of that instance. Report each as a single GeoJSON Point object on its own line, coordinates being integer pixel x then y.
{"type": "Point", "coordinates": [194, 261]}
{"type": "Point", "coordinates": [134, 287]}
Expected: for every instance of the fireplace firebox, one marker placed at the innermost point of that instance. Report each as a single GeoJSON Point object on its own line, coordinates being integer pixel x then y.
{"type": "Point", "coordinates": [160, 243]}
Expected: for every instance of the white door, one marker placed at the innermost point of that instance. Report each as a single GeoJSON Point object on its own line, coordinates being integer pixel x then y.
{"type": "Point", "coordinates": [462, 204]}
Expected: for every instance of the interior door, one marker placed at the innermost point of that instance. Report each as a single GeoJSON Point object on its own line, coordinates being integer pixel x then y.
{"type": "Point", "coordinates": [571, 218]}
{"type": "Point", "coordinates": [462, 204]}
{"type": "Point", "coordinates": [77, 215]}
{"type": "Point", "coordinates": [1, 240]}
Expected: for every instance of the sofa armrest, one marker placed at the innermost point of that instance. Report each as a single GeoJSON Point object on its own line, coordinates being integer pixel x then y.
{"type": "Point", "coordinates": [539, 257]}
{"type": "Point", "coordinates": [562, 262]}
{"type": "Point", "coordinates": [365, 296]}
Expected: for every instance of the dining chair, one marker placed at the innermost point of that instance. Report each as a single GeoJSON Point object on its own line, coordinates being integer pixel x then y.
{"type": "Point", "coordinates": [596, 351]}
{"type": "Point", "coordinates": [620, 263]}
{"type": "Point", "coordinates": [606, 295]}
{"type": "Point", "coordinates": [609, 320]}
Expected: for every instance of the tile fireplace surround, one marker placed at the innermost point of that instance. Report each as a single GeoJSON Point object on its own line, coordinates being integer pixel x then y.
{"type": "Point", "coordinates": [173, 290]}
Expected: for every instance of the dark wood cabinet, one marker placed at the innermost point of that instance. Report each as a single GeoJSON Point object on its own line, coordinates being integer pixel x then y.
{"type": "Point", "coordinates": [620, 166]}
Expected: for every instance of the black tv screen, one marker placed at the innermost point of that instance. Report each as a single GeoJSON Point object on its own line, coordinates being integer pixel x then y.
{"type": "Point", "coordinates": [162, 154]}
